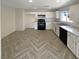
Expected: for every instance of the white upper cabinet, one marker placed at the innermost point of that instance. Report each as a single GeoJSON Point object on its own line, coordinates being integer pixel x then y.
{"type": "Point", "coordinates": [57, 14]}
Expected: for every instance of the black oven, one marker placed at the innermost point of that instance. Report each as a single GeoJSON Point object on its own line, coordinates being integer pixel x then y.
{"type": "Point", "coordinates": [41, 24]}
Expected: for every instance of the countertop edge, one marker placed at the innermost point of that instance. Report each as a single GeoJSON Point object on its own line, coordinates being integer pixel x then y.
{"type": "Point", "coordinates": [71, 29]}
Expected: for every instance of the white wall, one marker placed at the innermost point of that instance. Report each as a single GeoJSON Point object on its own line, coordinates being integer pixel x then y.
{"type": "Point", "coordinates": [0, 18]}
{"type": "Point", "coordinates": [74, 13]}
{"type": "Point", "coordinates": [7, 20]}
{"type": "Point", "coordinates": [29, 20]}
{"type": "Point", "coordinates": [0, 29]}
{"type": "Point", "coordinates": [19, 19]}
{"type": "Point", "coordinates": [15, 19]}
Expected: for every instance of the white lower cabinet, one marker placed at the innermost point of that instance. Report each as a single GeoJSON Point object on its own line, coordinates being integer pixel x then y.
{"type": "Point", "coordinates": [49, 25]}
{"type": "Point", "coordinates": [77, 50]}
{"type": "Point", "coordinates": [73, 43]}
{"type": "Point", "coordinates": [57, 30]}
{"type": "Point", "coordinates": [53, 28]}
{"type": "Point", "coordinates": [35, 25]}
{"type": "Point", "coordinates": [77, 46]}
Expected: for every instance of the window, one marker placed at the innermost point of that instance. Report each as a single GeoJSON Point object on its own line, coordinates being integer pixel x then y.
{"type": "Point", "coordinates": [64, 16]}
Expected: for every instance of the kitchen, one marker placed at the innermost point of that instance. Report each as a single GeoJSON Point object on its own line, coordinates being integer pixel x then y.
{"type": "Point", "coordinates": [19, 23]}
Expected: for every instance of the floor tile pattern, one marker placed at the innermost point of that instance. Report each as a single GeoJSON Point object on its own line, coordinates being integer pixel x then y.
{"type": "Point", "coordinates": [34, 44]}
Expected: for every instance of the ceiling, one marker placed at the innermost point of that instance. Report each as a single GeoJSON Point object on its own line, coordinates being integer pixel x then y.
{"type": "Point", "coordinates": [40, 5]}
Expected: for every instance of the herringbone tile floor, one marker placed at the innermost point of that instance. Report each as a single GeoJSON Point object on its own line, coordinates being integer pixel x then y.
{"type": "Point", "coordinates": [34, 44]}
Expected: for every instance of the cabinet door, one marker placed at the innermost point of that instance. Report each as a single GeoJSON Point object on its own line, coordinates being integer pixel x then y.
{"type": "Point", "coordinates": [77, 50]}
{"type": "Point", "coordinates": [58, 14]}
{"type": "Point", "coordinates": [49, 25]}
{"type": "Point", "coordinates": [77, 46]}
{"type": "Point", "coordinates": [53, 27]}
{"type": "Point", "coordinates": [71, 42]}
{"type": "Point", "coordinates": [35, 25]}
{"type": "Point", "coordinates": [57, 31]}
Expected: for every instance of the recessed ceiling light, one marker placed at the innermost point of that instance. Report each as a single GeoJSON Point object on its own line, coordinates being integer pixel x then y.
{"type": "Point", "coordinates": [30, 0]}
{"type": "Point", "coordinates": [59, 0]}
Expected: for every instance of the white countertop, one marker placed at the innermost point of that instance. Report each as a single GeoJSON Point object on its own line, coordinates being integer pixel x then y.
{"type": "Point", "coordinates": [65, 25]}
{"type": "Point", "coordinates": [71, 29]}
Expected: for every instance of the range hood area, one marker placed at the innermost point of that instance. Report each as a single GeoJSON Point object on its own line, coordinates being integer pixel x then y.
{"type": "Point", "coordinates": [40, 16]}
